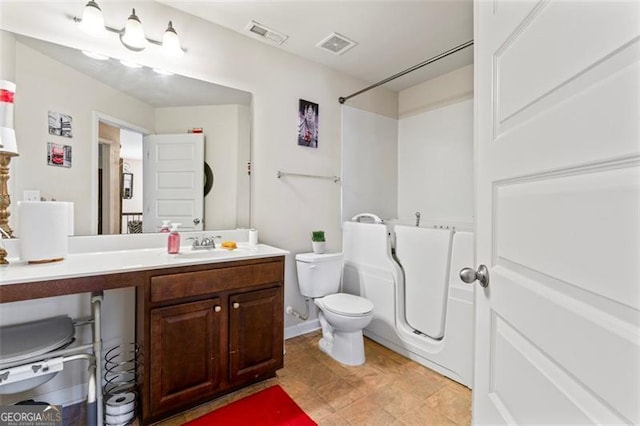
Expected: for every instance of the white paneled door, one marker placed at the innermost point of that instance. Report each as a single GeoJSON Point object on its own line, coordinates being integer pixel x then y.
{"type": "Point", "coordinates": [173, 168]}
{"type": "Point", "coordinates": [558, 188]}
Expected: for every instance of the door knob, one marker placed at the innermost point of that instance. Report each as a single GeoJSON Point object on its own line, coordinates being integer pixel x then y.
{"type": "Point", "coordinates": [468, 275]}
{"type": "Point", "coordinates": [217, 308]}
{"type": "Point", "coordinates": [236, 305]}
{"type": "Point", "coordinates": [196, 221]}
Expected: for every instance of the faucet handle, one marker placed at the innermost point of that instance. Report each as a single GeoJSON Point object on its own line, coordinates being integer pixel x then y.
{"type": "Point", "coordinates": [196, 243]}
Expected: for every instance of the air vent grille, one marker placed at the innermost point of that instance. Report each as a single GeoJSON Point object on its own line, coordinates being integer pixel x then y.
{"type": "Point", "coordinates": [262, 32]}
{"type": "Point", "coordinates": [336, 44]}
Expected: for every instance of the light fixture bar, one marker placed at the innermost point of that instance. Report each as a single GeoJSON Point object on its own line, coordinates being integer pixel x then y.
{"type": "Point", "coordinates": [120, 31]}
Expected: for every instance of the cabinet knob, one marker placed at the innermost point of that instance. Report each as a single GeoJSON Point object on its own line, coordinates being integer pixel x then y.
{"type": "Point", "coordinates": [236, 305]}
{"type": "Point", "coordinates": [217, 308]}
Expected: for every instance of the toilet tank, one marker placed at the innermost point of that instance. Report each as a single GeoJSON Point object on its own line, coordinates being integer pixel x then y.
{"type": "Point", "coordinates": [319, 274]}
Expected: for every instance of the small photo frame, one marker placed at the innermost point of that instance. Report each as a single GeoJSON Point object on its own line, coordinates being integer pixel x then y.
{"type": "Point", "coordinates": [58, 155]}
{"type": "Point", "coordinates": [308, 123]}
{"type": "Point", "coordinates": [60, 124]}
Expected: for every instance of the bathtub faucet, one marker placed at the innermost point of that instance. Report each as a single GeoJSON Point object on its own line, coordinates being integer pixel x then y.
{"type": "Point", "coordinates": [417, 218]}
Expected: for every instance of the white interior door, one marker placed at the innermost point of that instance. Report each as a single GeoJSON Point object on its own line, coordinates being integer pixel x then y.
{"type": "Point", "coordinates": [558, 172]}
{"type": "Point", "coordinates": [173, 186]}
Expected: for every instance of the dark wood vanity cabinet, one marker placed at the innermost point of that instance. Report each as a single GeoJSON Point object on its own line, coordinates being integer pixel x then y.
{"type": "Point", "coordinates": [185, 353]}
{"type": "Point", "coordinates": [208, 330]}
{"type": "Point", "coordinates": [255, 346]}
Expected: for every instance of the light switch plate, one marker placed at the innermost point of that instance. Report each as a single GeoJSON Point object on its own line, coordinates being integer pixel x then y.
{"type": "Point", "coordinates": [31, 195]}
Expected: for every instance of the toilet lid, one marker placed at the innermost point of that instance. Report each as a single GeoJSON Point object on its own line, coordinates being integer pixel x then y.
{"type": "Point", "coordinates": [34, 338]}
{"type": "Point", "coordinates": [347, 304]}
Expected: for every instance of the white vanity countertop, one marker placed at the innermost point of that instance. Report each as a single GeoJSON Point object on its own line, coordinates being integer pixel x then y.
{"type": "Point", "coordinates": [113, 262]}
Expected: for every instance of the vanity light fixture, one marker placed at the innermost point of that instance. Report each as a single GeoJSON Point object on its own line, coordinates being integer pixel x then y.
{"type": "Point", "coordinates": [171, 42]}
{"type": "Point", "coordinates": [92, 21]}
{"type": "Point", "coordinates": [132, 36]}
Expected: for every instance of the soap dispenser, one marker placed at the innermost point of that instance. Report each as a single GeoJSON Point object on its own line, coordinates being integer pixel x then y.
{"type": "Point", "coordinates": [165, 227]}
{"type": "Point", "coordinates": [173, 241]}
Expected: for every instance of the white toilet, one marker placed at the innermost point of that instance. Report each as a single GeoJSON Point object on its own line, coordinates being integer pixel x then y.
{"type": "Point", "coordinates": [342, 316]}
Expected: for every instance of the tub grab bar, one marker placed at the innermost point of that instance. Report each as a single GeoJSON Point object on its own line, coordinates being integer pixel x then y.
{"type": "Point", "coordinates": [375, 218]}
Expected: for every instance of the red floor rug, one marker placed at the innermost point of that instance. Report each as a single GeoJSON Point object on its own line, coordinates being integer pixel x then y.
{"type": "Point", "coordinates": [269, 407]}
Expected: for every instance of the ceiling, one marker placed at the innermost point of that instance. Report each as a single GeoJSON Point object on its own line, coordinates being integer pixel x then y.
{"type": "Point", "coordinates": [392, 35]}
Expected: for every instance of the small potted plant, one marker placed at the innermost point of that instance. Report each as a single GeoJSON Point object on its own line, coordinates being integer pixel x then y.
{"type": "Point", "coordinates": [317, 239]}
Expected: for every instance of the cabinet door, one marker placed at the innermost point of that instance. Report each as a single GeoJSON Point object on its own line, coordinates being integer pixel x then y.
{"type": "Point", "coordinates": [255, 334]}
{"type": "Point", "coordinates": [185, 353]}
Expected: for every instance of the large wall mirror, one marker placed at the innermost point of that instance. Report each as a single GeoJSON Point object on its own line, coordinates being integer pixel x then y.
{"type": "Point", "coordinates": [112, 113]}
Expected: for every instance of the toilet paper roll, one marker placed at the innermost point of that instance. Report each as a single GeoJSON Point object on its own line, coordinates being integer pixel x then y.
{"type": "Point", "coordinates": [120, 404]}
{"type": "Point", "coordinates": [43, 229]}
{"type": "Point", "coordinates": [112, 419]}
{"type": "Point", "coordinates": [253, 237]}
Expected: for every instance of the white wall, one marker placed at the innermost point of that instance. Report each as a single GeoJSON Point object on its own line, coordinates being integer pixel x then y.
{"type": "Point", "coordinates": [222, 128]}
{"type": "Point", "coordinates": [435, 165]}
{"type": "Point", "coordinates": [447, 89]}
{"type": "Point", "coordinates": [284, 211]}
{"type": "Point", "coordinates": [7, 56]}
{"type": "Point", "coordinates": [369, 164]}
{"type": "Point", "coordinates": [435, 150]}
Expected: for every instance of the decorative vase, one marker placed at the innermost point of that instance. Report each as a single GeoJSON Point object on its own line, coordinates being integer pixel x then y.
{"type": "Point", "coordinates": [318, 246]}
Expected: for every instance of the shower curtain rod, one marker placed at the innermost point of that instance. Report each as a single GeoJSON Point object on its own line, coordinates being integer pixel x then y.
{"type": "Point", "coordinates": [408, 70]}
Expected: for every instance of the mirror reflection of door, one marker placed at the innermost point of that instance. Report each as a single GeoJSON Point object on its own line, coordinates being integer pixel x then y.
{"type": "Point", "coordinates": [173, 181]}
{"type": "Point", "coordinates": [116, 213]}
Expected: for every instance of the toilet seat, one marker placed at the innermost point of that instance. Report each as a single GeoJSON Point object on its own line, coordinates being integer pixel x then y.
{"type": "Point", "coordinates": [35, 338]}
{"type": "Point", "coordinates": [29, 340]}
{"type": "Point", "coordinates": [347, 305]}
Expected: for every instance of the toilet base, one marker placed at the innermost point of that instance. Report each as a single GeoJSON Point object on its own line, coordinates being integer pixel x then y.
{"type": "Point", "coordinates": [347, 347]}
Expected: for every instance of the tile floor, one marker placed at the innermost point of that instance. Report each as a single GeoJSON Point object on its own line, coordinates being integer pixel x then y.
{"type": "Point", "coordinates": [387, 390]}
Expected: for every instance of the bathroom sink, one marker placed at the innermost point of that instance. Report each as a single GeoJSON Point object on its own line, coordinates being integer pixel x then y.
{"type": "Point", "coordinates": [205, 254]}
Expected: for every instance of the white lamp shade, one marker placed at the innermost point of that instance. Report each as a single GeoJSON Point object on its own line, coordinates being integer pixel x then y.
{"type": "Point", "coordinates": [92, 22]}
{"type": "Point", "coordinates": [171, 42]}
{"type": "Point", "coordinates": [133, 36]}
{"type": "Point", "coordinates": [8, 141]}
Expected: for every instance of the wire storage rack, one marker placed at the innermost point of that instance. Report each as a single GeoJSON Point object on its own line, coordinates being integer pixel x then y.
{"type": "Point", "coordinates": [121, 369]}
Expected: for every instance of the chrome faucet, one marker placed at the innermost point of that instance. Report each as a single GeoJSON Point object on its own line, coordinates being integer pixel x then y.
{"type": "Point", "coordinates": [207, 243]}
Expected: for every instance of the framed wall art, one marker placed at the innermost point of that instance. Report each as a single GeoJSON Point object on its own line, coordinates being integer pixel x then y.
{"type": "Point", "coordinates": [308, 123]}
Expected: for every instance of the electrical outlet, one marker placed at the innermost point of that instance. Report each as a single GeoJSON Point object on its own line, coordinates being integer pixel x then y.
{"type": "Point", "coordinates": [31, 195]}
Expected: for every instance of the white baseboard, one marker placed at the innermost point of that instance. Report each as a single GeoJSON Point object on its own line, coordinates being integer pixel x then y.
{"type": "Point", "coordinates": [302, 328]}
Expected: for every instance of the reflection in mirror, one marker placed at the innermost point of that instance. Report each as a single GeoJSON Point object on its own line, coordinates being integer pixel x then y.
{"type": "Point", "coordinates": [116, 114]}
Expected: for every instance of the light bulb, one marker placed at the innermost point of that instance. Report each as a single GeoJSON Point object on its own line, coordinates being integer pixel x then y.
{"type": "Point", "coordinates": [171, 42]}
{"type": "Point", "coordinates": [92, 22]}
{"type": "Point", "coordinates": [133, 37]}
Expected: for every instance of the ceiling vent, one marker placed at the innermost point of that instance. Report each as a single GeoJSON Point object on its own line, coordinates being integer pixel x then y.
{"type": "Point", "coordinates": [336, 44]}
{"type": "Point", "coordinates": [260, 31]}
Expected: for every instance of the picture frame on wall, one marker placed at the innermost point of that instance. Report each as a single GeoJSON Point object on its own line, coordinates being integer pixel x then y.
{"type": "Point", "coordinates": [58, 155]}
{"type": "Point", "coordinates": [308, 113]}
{"type": "Point", "coordinates": [60, 124]}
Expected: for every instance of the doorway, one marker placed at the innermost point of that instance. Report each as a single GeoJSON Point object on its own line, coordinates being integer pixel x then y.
{"type": "Point", "coordinates": [119, 177]}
